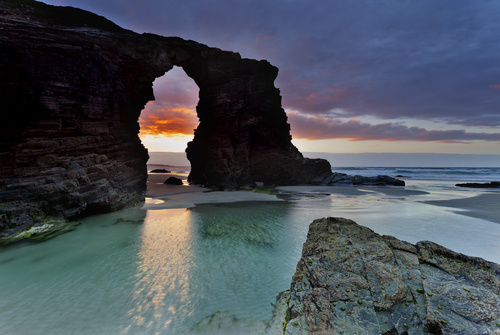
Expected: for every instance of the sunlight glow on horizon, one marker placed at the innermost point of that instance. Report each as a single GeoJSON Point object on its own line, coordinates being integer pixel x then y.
{"type": "Point", "coordinates": [346, 146]}
{"type": "Point", "coordinates": [160, 143]}
{"type": "Point", "coordinates": [171, 122]}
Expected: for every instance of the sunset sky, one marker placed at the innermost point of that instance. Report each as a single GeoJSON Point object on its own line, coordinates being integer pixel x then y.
{"type": "Point", "coordinates": [355, 76]}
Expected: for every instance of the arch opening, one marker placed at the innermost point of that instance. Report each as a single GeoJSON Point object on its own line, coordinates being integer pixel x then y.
{"type": "Point", "coordinates": [167, 123]}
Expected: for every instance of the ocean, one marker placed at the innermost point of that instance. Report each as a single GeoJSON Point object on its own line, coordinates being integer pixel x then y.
{"type": "Point", "coordinates": [189, 271]}
{"type": "Point", "coordinates": [457, 175]}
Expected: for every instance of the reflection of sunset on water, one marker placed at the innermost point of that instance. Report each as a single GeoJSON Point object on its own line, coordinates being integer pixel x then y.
{"type": "Point", "coordinates": [164, 265]}
{"type": "Point", "coordinates": [193, 263]}
{"type": "Point", "coordinates": [175, 271]}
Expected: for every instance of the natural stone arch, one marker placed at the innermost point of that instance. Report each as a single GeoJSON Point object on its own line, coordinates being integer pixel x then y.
{"type": "Point", "coordinates": [73, 87]}
{"type": "Point", "coordinates": [243, 136]}
{"type": "Point", "coordinates": [167, 124]}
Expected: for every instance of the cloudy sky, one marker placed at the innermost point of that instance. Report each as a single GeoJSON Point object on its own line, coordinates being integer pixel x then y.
{"type": "Point", "coordinates": [355, 76]}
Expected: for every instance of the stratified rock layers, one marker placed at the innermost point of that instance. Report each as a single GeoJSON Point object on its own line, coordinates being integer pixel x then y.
{"type": "Point", "coordinates": [73, 85]}
{"type": "Point", "coordinates": [70, 104]}
{"type": "Point", "coordinates": [351, 280]}
{"type": "Point", "coordinates": [243, 136]}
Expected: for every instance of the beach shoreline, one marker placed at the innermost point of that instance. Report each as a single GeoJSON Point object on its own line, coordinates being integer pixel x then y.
{"type": "Point", "coordinates": [164, 196]}
{"type": "Point", "coordinates": [481, 204]}
{"type": "Point", "coordinates": [211, 258]}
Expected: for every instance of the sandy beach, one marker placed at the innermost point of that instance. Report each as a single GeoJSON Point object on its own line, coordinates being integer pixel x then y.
{"type": "Point", "coordinates": [484, 206]}
{"type": "Point", "coordinates": [190, 253]}
{"type": "Point", "coordinates": [162, 196]}
{"type": "Point", "coordinates": [350, 190]}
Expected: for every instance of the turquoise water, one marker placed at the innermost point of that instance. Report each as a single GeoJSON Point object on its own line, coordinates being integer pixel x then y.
{"type": "Point", "coordinates": [167, 271]}
{"type": "Point", "coordinates": [151, 272]}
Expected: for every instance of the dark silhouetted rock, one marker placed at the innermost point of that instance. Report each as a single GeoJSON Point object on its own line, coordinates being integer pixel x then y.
{"type": "Point", "coordinates": [72, 87]}
{"type": "Point", "coordinates": [173, 181]}
{"type": "Point", "coordinates": [160, 171]}
{"type": "Point", "coordinates": [351, 280]}
{"type": "Point", "coordinates": [345, 179]}
{"type": "Point", "coordinates": [493, 184]}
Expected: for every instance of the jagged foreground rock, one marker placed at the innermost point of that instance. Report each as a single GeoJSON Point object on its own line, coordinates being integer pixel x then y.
{"type": "Point", "coordinates": [351, 280]}
{"type": "Point", "coordinates": [72, 87]}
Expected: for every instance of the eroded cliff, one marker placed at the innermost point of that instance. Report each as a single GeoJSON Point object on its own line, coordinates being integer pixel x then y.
{"type": "Point", "coordinates": [73, 85]}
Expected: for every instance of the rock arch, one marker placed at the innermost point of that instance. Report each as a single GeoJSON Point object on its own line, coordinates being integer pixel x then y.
{"type": "Point", "coordinates": [73, 85]}
{"type": "Point", "coordinates": [243, 136]}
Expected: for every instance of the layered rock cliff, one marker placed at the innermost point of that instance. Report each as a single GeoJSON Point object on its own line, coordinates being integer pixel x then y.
{"type": "Point", "coordinates": [351, 280]}
{"type": "Point", "coordinates": [73, 85]}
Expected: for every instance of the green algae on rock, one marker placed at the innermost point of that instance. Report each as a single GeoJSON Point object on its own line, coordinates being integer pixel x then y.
{"type": "Point", "coordinates": [403, 288]}
{"type": "Point", "coordinates": [47, 228]}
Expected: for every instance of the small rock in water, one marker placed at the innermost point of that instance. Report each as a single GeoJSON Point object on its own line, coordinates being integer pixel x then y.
{"type": "Point", "coordinates": [493, 184]}
{"type": "Point", "coordinates": [160, 171]}
{"type": "Point", "coordinates": [173, 181]}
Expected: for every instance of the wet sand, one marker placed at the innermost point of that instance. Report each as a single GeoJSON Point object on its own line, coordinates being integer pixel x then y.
{"type": "Point", "coordinates": [484, 206]}
{"type": "Point", "coordinates": [163, 196]}
{"type": "Point", "coordinates": [350, 190]}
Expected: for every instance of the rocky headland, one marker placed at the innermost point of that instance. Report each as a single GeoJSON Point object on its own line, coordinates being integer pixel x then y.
{"type": "Point", "coordinates": [351, 280]}
{"type": "Point", "coordinates": [73, 85]}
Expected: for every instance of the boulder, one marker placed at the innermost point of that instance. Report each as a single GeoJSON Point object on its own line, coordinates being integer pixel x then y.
{"type": "Point", "coordinates": [160, 171]}
{"type": "Point", "coordinates": [173, 181]}
{"type": "Point", "coordinates": [493, 184]}
{"type": "Point", "coordinates": [345, 179]}
{"type": "Point", "coordinates": [351, 280]}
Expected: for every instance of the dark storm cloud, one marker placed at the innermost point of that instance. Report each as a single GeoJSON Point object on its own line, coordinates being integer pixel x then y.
{"type": "Point", "coordinates": [427, 59]}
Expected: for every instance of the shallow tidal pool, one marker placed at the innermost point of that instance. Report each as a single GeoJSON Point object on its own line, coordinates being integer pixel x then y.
{"type": "Point", "coordinates": [170, 271]}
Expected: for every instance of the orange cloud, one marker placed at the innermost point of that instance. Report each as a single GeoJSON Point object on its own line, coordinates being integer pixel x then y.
{"type": "Point", "coordinates": [497, 86]}
{"type": "Point", "coordinates": [168, 122]}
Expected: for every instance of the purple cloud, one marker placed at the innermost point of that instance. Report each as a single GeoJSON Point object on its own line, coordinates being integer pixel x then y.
{"type": "Point", "coordinates": [429, 60]}
{"type": "Point", "coordinates": [321, 128]}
